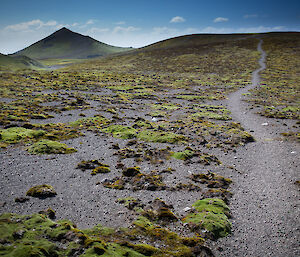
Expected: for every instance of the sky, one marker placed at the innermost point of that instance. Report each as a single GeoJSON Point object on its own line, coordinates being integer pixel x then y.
{"type": "Point", "coordinates": [136, 23]}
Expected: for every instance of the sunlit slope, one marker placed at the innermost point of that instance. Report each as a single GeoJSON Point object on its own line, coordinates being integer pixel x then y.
{"type": "Point", "coordinates": [195, 55]}
{"type": "Point", "coordinates": [66, 44]}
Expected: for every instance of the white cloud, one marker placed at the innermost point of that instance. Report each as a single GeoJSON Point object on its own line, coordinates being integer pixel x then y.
{"type": "Point", "coordinates": [89, 22]}
{"type": "Point", "coordinates": [221, 19]}
{"type": "Point", "coordinates": [249, 16]}
{"type": "Point", "coordinates": [259, 29]}
{"type": "Point", "coordinates": [120, 23]}
{"type": "Point", "coordinates": [97, 30]}
{"type": "Point", "coordinates": [120, 29]}
{"type": "Point", "coordinates": [163, 30]}
{"type": "Point", "coordinates": [29, 25]}
{"type": "Point", "coordinates": [177, 19]}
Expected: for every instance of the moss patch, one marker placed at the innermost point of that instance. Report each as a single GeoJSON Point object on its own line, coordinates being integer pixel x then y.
{"type": "Point", "coordinates": [50, 147]}
{"type": "Point", "coordinates": [16, 134]}
{"type": "Point", "coordinates": [120, 131]}
{"type": "Point", "coordinates": [187, 154]}
{"type": "Point", "coordinates": [212, 215]}
{"type": "Point", "coordinates": [160, 137]}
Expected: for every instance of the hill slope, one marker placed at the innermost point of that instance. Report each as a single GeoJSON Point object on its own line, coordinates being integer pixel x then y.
{"type": "Point", "coordinates": [18, 63]}
{"type": "Point", "coordinates": [67, 44]}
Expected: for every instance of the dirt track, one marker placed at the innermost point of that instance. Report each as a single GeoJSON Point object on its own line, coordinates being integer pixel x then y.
{"type": "Point", "coordinates": [264, 206]}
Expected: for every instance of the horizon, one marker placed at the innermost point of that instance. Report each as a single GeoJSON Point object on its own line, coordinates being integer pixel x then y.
{"type": "Point", "coordinates": [139, 23]}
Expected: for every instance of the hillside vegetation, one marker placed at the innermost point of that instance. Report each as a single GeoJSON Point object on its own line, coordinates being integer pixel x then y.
{"type": "Point", "coordinates": [18, 63]}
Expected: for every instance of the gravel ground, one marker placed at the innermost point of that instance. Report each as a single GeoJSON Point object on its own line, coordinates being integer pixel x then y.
{"type": "Point", "coordinates": [265, 205]}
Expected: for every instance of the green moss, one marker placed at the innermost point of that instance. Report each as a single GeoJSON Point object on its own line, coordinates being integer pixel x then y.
{"type": "Point", "coordinates": [16, 134]}
{"type": "Point", "coordinates": [41, 191]}
{"type": "Point", "coordinates": [243, 136]}
{"type": "Point", "coordinates": [91, 122]}
{"type": "Point", "coordinates": [117, 184]}
{"type": "Point", "coordinates": [143, 222]}
{"type": "Point", "coordinates": [211, 214]}
{"type": "Point", "coordinates": [211, 112]}
{"type": "Point", "coordinates": [22, 235]}
{"type": "Point", "coordinates": [160, 137]}
{"type": "Point", "coordinates": [120, 131]}
{"type": "Point", "coordinates": [50, 147]}
{"type": "Point", "coordinates": [211, 115]}
{"type": "Point", "coordinates": [100, 169]}
{"type": "Point", "coordinates": [187, 154]}
{"type": "Point", "coordinates": [144, 249]}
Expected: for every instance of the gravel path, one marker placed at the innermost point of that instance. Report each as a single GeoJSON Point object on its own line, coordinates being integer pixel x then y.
{"type": "Point", "coordinates": [265, 204]}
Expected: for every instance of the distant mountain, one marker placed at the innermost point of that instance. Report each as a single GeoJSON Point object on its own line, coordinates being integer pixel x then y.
{"type": "Point", "coordinates": [66, 44]}
{"type": "Point", "coordinates": [18, 63]}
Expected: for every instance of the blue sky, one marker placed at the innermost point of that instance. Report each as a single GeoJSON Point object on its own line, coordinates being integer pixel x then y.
{"type": "Point", "coordinates": [140, 22]}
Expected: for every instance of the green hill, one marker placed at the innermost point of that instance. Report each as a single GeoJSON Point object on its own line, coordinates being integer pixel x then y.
{"type": "Point", "coordinates": [18, 63]}
{"type": "Point", "coordinates": [66, 44]}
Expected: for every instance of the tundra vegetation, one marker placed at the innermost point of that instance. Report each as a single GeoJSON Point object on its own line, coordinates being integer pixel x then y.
{"type": "Point", "coordinates": [162, 105]}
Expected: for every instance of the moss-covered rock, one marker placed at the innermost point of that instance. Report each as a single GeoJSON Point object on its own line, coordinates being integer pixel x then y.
{"type": "Point", "coordinates": [120, 131]}
{"type": "Point", "coordinates": [95, 165]}
{"type": "Point", "coordinates": [240, 136]}
{"type": "Point", "coordinates": [212, 215]}
{"type": "Point", "coordinates": [212, 180]}
{"type": "Point", "coordinates": [100, 169]}
{"type": "Point", "coordinates": [46, 146]}
{"type": "Point", "coordinates": [41, 191]}
{"type": "Point", "coordinates": [131, 172]}
{"type": "Point", "coordinates": [16, 134]}
{"type": "Point", "coordinates": [186, 154]}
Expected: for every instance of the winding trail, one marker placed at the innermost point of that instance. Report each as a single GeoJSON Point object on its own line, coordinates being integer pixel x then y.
{"type": "Point", "coordinates": [265, 204]}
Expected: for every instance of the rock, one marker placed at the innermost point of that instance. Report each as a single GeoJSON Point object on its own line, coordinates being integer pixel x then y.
{"type": "Point", "coordinates": [41, 191]}
{"type": "Point", "coordinates": [21, 199]}
{"type": "Point", "coordinates": [131, 172]}
{"type": "Point", "coordinates": [18, 234]}
{"type": "Point", "coordinates": [49, 213]}
{"type": "Point", "coordinates": [187, 209]}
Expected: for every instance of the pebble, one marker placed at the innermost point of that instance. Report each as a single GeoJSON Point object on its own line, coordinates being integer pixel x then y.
{"type": "Point", "coordinates": [186, 209]}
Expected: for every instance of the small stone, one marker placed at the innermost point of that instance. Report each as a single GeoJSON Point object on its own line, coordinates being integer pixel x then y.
{"type": "Point", "coordinates": [21, 199]}
{"type": "Point", "coordinates": [186, 209]}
